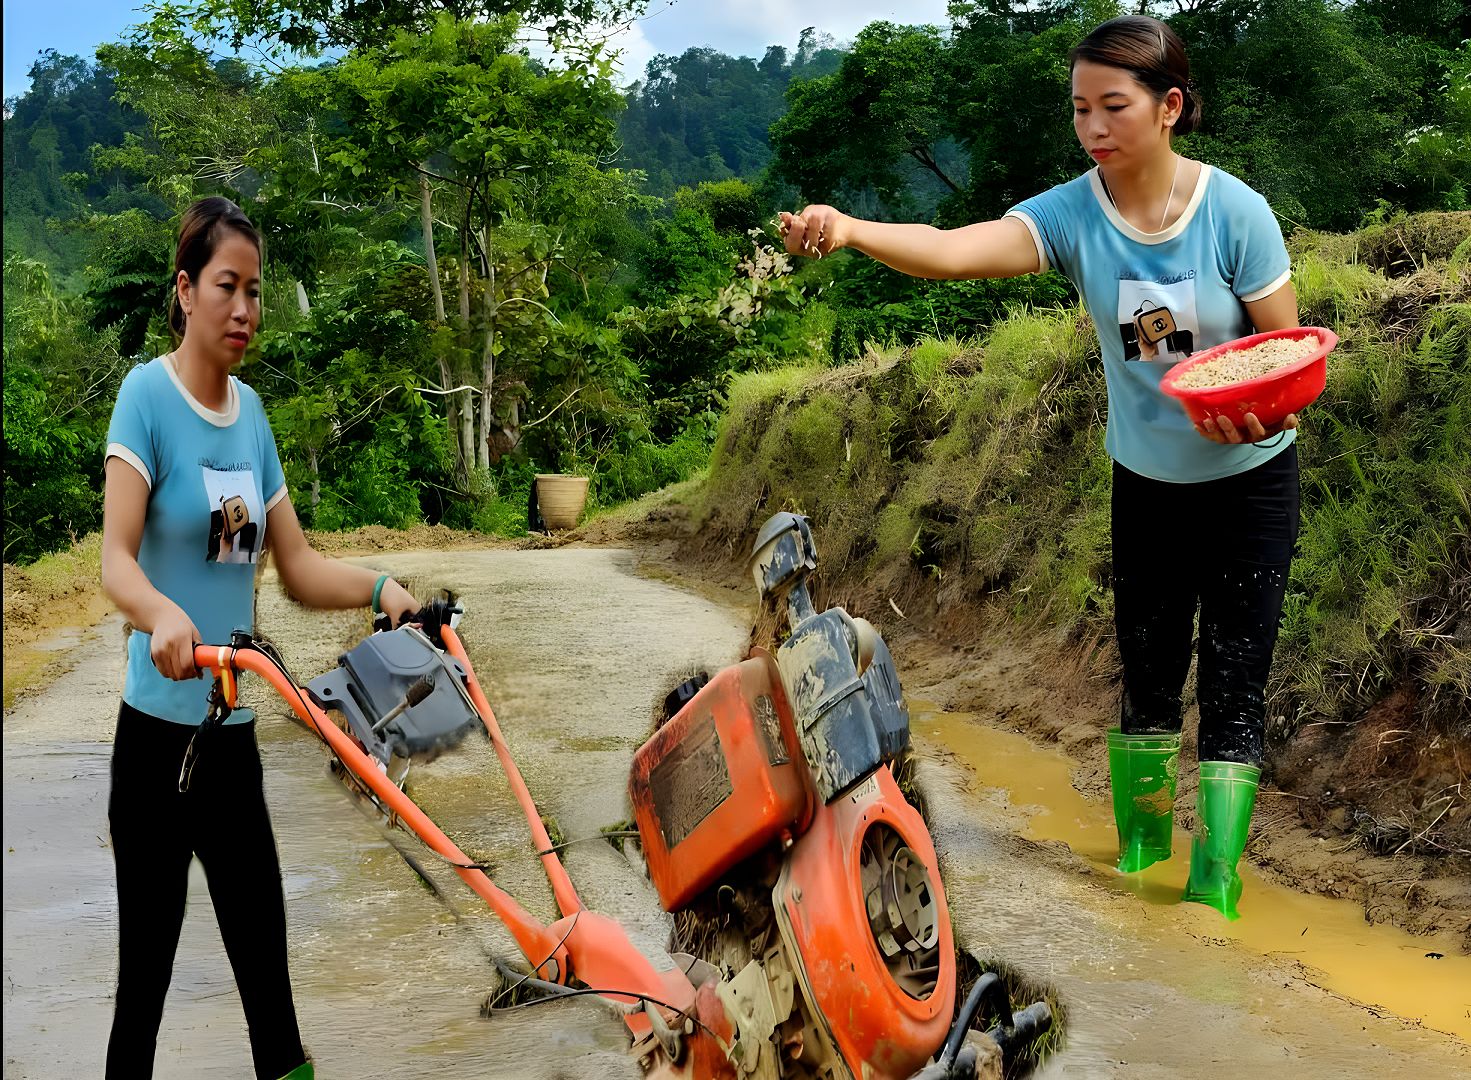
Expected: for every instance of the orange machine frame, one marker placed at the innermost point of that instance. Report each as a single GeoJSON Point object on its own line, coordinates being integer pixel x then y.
{"type": "Point", "coordinates": [587, 946]}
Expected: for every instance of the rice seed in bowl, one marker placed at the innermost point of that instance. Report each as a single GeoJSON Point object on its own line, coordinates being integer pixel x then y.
{"type": "Point", "coordinates": [1240, 365]}
{"type": "Point", "coordinates": [1268, 375]}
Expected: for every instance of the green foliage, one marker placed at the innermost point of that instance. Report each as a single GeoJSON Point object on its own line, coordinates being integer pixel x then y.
{"type": "Point", "coordinates": [128, 275]}
{"type": "Point", "coordinates": [589, 327]}
{"type": "Point", "coordinates": [339, 387]}
{"type": "Point", "coordinates": [958, 126]}
{"type": "Point", "coordinates": [1437, 156]}
{"type": "Point", "coordinates": [876, 306]}
{"type": "Point", "coordinates": [684, 254]}
{"type": "Point", "coordinates": [311, 27]}
{"type": "Point", "coordinates": [893, 78]}
{"type": "Point", "coordinates": [49, 135]}
{"type": "Point", "coordinates": [703, 116]}
{"type": "Point", "coordinates": [641, 465]}
{"type": "Point", "coordinates": [50, 490]}
{"type": "Point", "coordinates": [1289, 85]}
{"type": "Point", "coordinates": [1286, 85]}
{"type": "Point", "coordinates": [56, 368]}
{"type": "Point", "coordinates": [733, 206]}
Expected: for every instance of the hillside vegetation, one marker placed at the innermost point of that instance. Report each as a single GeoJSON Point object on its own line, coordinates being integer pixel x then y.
{"type": "Point", "coordinates": [966, 479]}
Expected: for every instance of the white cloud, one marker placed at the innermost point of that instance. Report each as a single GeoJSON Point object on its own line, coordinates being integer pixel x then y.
{"type": "Point", "coordinates": [745, 29]}
{"type": "Point", "coordinates": [635, 51]}
{"type": "Point", "coordinates": [672, 26]}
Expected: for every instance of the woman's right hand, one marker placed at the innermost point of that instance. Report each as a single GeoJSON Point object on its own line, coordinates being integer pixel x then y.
{"type": "Point", "coordinates": [818, 230]}
{"type": "Point", "coordinates": [172, 647]}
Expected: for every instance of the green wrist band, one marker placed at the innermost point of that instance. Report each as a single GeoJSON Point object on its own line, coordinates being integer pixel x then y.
{"type": "Point", "coordinates": [378, 593]}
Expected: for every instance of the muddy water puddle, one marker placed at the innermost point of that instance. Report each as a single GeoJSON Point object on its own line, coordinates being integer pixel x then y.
{"type": "Point", "coordinates": [1135, 968]}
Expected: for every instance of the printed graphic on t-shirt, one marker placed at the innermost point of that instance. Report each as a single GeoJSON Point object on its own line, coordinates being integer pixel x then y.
{"type": "Point", "coordinates": [1157, 320]}
{"type": "Point", "coordinates": [236, 516]}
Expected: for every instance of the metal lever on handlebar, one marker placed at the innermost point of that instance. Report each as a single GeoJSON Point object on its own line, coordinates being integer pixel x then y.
{"type": "Point", "coordinates": [417, 693]}
{"type": "Point", "coordinates": [445, 611]}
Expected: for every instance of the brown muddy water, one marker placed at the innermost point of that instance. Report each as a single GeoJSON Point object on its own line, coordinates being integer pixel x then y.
{"type": "Point", "coordinates": [572, 647]}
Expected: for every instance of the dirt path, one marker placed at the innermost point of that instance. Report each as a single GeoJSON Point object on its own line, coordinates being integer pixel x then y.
{"type": "Point", "coordinates": [389, 984]}
{"type": "Point", "coordinates": [573, 645]}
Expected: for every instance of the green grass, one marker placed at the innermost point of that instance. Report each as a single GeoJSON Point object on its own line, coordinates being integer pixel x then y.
{"type": "Point", "coordinates": [63, 572]}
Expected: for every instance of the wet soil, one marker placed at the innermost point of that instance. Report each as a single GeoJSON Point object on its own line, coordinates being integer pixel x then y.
{"type": "Point", "coordinates": [570, 647]}
{"type": "Point", "coordinates": [573, 646]}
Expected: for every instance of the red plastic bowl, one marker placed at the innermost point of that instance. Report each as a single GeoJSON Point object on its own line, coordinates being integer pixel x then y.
{"type": "Point", "coordinates": [1271, 396]}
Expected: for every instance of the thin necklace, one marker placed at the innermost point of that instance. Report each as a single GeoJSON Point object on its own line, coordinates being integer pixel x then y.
{"type": "Point", "coordinates": [1168, 198]}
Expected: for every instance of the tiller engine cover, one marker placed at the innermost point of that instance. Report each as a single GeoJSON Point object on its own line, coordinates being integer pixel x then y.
{"type": "Point", "coordinates": [719, 782]}
{"type": "Point", "coordinates": [398, 695]}
{"type": "Point", "coordinates": [860, 902]}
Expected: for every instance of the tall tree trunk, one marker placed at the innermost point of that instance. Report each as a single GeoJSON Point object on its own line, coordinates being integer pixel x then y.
{"type": "Point", "coordinates": [446, 377]}
{"type": "Point", "coordinates": [487, 359]}
{"type": "Point", "coordinates": [467, 401]}
{"type": "Point", "coordinates": [311, 460]}
{"type": "Point", "coordinates": [922, 155]}
{"type": "Point", "coordinates": [426, 219]}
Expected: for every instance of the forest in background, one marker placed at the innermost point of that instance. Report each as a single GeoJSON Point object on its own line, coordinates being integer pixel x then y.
{"type": "Point", "coordinates": [481, 265]}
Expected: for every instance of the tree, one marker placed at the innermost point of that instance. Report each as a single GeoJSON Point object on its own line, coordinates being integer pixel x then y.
{"type": "Point", "coordinates": [458, 116]}
{"type": "Point", "coordinates": [59, 376]}
{"type": "Point", "coordinates": [890, 82]}
{"type": "Point", "coordinates": [704, 116]}
{"type": "Point", "coordinates": [312, 27]}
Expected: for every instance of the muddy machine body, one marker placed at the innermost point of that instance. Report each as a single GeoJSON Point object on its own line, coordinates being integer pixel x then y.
{"type": "Point", "coordinates": [776, 775]}
{"type": "Point", "coordinates": [767, 809]}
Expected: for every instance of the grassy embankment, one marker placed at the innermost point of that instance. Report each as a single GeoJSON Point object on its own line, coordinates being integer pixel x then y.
{"type": "Point", "coordinates": [966, 482]}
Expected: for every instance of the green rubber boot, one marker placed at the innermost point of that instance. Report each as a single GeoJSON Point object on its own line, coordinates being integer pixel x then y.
{"type": "Point", "coordinates": [304, 1071]}
{"type": "Point", "coordinates": [1141, 769]}
{"type": "Point", "coordinates": [1227, 794]}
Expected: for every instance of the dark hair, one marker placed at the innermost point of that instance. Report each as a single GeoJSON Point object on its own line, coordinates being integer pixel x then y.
{"type": "Point", "coordinates": [1150, 51]}
{"type": "Point", "coordinates": [201, 229]}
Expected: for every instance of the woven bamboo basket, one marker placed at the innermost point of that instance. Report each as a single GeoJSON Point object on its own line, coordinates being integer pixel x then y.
{"type": "Point", "coordinates": [561, 499]}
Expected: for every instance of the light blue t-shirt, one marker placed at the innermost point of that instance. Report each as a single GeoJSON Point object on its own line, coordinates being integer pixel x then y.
{"type": "Point", "coordinates": [212, 478]}
{"type": "Point", "coordinates": [1194, 277]}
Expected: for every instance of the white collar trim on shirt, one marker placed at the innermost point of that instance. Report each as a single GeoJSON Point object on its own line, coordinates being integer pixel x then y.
{"type": "Point", "coordinates": [218, 419]}
{"type": "Point", "coordinates": [1110, 211]}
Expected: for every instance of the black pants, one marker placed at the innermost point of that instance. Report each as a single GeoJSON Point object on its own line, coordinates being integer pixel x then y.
{"type": "Point", "coordinates": [156, 831]}
{"type": "Point", "coordinates": [1224, 546]}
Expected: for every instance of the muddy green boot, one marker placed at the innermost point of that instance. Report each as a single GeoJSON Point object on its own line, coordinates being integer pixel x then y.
{"type": "Point", "coordinates": [1227, 794]}
{"type": "Point", "coordinates": [1141, 769]}
{"type": "Point", "coordinates": [304, 1071]}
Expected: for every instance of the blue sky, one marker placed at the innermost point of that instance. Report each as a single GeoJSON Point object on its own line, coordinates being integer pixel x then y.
{"type": "Point", "coordinates": [745, 28]}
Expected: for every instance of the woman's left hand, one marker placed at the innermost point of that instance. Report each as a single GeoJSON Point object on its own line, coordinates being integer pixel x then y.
{"type": "Point", "coordinates": [397, 602]}
{"type": "Point", "coordinates": [1220, 429]}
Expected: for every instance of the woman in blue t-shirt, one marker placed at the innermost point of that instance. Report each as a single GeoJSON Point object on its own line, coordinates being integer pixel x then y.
{"type": "Point", "coordinates": [194, 490]}
{"type": "Point", "coordinates": [1184, 256]}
